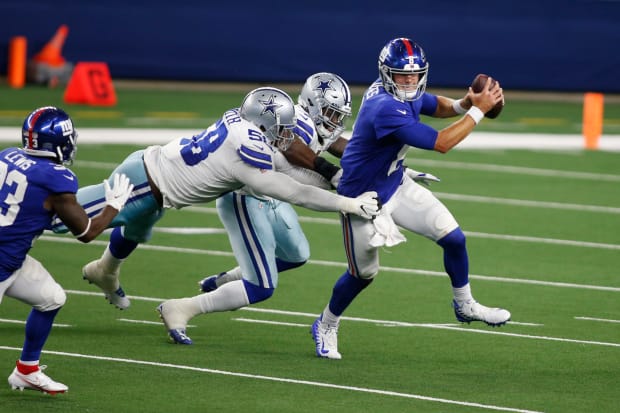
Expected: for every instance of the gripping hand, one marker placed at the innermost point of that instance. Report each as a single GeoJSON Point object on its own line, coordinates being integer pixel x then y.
{"type": "Point", "coordinates": [421, 177]}
{"type": "Point", "coordinates": [365, 205]}
{"type": "Point", "coordinates": [117, 195]}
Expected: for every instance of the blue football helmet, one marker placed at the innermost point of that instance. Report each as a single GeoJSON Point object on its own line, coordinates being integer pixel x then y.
{"type": "Point", "coordinates": [327, 99]}
{"type": "Point", "coordinates": [273, 112]}
{"type": "Point", "coordinates": [403, 56]}
{"type": "Point", "coordinates": [48, 132]}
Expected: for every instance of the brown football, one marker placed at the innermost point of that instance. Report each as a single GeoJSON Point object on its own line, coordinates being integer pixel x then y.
{"type": "Point", "coordinates": [477, 85]}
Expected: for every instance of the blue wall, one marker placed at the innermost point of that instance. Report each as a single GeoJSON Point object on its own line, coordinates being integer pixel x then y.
{"type": "Point", "coordinates": [527, 45]}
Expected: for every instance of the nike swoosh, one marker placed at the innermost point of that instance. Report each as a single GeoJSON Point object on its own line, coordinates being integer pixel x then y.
{"type": "Point", "coordinates": [69, 177]}
{"type": "Point", "coordinates": [404, 112]}
{"type": "Point", "coordinates": [323, 351]}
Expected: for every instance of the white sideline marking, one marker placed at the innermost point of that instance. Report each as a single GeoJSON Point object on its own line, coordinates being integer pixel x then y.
{"type": "Point", "coordinates": [598, 319]}
{"type": "Point", "coordinates": [67, 239]}
{"type": "Point", "coordinates": [8, 321]}
{"type": "Point", "coordinates": [127, 320]}
{"type": "Point", "coordinates": [282, 380]}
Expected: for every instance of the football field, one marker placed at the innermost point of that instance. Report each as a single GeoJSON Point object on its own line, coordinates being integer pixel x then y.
{"type": "Point", "coordinates": [543, 237]}
{"type": "Point", "coordinates": [543, 233]}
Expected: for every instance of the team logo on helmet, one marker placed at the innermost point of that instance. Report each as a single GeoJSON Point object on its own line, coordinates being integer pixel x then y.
{"type": "Point", "coordinates": [270, 105]}
{"type": "Point", "coordinates": [324, 86]}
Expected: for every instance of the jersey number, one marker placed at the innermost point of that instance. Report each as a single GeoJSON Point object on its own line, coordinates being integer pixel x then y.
{"type": "Point", "coordinates": [199, 147]}
{"type": "Point", "coordinates": [12, 187]}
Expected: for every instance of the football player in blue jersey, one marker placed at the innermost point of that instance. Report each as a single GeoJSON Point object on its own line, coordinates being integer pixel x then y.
{"type": "Point", "coordinates": [389, 123]}
{"type": "Point", "coordinates": [35, 185]}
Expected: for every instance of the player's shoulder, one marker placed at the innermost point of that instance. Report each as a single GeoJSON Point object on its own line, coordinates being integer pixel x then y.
{"type": "Point", "coordinates": [305, 128]}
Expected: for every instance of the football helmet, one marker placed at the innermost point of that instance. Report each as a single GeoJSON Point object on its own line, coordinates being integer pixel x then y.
{"type": "Point", "coordinates": [403, 56]}
{"type": "Point", "coordinates": [327, 99]}
{"type": "Point", "coordinates": [48, 132]}
{"type": "Point", "coordinates": [273, 112]}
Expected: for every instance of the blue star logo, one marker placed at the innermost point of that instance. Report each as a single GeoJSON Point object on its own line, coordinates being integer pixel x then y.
{"type": "Point", "coordinates": [324, 86]}
{"type": "Point", "coordinates": [270, 106]}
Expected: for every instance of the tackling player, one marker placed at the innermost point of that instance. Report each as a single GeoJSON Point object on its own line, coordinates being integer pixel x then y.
{"type": "Point", "coordinates": [35, 185]}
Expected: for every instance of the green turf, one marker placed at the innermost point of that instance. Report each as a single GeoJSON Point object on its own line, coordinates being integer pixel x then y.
{"type": "Point", "coordinates": [551, 361]}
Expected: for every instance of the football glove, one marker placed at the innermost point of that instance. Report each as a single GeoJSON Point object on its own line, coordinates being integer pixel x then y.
{"type": "Point", "coordinates": [365, 205]}
{"type": "Point", "coordinates": [117, 195]}
{"type": "Point", "coordinates": [421, 177]}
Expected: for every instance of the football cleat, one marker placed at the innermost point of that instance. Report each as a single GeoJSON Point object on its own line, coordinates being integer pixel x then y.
{"type": "Point", "coordinates": [471, 310]}
{"type": "Point", "coordinates": [326, 340]}
{"type": "Point", "coordinates": [94, 273]}
{"type": "Point", "coordinates": [175, 321]}
{"type": "Point", "coordinates": [36, 380]}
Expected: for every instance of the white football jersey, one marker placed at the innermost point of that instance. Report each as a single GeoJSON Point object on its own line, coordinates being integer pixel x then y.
{"type": "Point", "coordinates": [225, 157]}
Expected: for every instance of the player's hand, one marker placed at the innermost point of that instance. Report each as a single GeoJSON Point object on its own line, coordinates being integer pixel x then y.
{"type": "Point", "coordinates": [336, 179]}
{"type": "Point", "coordinates": [365, 205]}
{"type": "Point", "coordinates": [117, 195]}
{"type": "Point", "coordinates": [421, 177]}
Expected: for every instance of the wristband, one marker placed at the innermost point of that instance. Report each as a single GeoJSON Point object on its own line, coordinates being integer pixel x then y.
{"type": "Point", "coordinates": [86, 230]}
{"type": "Point", "coordinates": [475, 113]}
{"type": "Point", "coordinates": [325, 168]}
{"type": "Point", "coordinates": [456, 105]}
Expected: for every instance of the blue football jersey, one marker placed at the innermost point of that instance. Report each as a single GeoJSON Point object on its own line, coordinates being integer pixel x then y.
{"type": "Point", "coordinates": [384, 129]}
{"type": "Point", "coordinates": [25, 183]}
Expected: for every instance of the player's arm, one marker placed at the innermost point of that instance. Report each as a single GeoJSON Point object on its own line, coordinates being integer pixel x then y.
{"type": "Point", "coordinates": [67, 208]}
{"type": "Point", "coordinates": [280, 186]}
{"type": "Point", "coordinates": [482, 102]}
{"type": "Point", "coordinates": [337, 148]}
{"type": "Point", "coordinates": [300, 154]}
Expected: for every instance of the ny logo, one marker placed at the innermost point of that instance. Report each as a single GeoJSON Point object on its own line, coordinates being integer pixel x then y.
{"type": "Point", "coordinates": [66, 126]}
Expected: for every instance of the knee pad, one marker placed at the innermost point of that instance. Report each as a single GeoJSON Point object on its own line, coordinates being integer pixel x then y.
{"type": "Point", "coordinates": [53, 296]}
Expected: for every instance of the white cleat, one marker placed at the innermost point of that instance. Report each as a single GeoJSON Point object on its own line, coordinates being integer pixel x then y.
{"type": "Point", "coordinates": [35, 381]}
{"type": "Point", "coordinates": [471, 310]}
{"type": "Point", "coordinates": [175, 319]}
{"type": "Point", "coordinates": [326, 340]}
{"type": "Point", "coordinates": [108, 282]}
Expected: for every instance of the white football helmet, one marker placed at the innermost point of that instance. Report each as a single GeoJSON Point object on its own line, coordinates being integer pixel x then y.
{"type": "Point", "coordinates": [327, 99]}
{"type": "Point", "coordinates": [273, 112]}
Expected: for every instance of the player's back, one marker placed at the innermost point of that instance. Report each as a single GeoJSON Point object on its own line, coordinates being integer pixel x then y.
{"type": "Point", "coordinates": [201, 168]}
{"type": "Point", "coordinates": [25, 183]}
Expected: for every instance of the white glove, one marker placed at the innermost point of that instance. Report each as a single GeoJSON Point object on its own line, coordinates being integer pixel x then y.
{"type": "Point", "coordinates": [366, 205]}
{"type": "Point", "coordinates": [119, 193]}
{"type": "Point", "coordinates": [336, 178]}
{"type": "Point", "coordinates": [421, 177]}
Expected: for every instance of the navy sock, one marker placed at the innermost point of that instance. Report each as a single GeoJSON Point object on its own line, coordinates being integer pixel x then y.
{"type": "Point", "coordinates": [345, 290]}
{"type": "Point", "coordinates": [455, 258]}
{"type": "Point", "coordinates": [121, 247]}
{"type": "Point", "coordinates": [38, 327]}
{"type": "Point", "coordinates": [287, 265]}
{"type": "Point", "coordinates": [255, 293]}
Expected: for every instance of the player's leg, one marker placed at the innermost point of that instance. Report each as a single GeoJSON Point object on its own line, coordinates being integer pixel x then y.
{"type": "Point", "coordinates": [33, 285]}
{"type": "Point", "coordinates": [421, 212]}
{"type": "Point", "coordinates": [132, 226]}
{"type": "Point", "coordinates": [363, 263]}
{"type": "Point", "coordinates": [292, 249]}
{"type": "Point", "coordinates": [249, 223]}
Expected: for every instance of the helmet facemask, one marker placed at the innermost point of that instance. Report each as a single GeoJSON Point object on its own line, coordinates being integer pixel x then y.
{"type": "Point", "coordinates": [403, 57]}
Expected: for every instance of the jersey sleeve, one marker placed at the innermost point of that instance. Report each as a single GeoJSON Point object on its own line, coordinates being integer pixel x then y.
{"type": "Point", "coordinates": [257, 155]}
{"type": "Point", "coordinates": [429, 104]}
{"type": "Point", "coordinates": [58, 179]}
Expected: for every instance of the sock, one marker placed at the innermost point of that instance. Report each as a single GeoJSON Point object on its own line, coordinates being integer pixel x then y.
{"type": "Point", "coordinates": [230, 296]}
{"type": "Point", "coordinates": [329, 318]}
{"type": "Point", "coordinates": [345, 290]}
{"type": "Point", "coordinates": [287, 265]}
{"type": "Point", "coordinates": [462, 294]}
{"type": "Point", "coordinates": [228, 276]}
{"type": "Point", "coordinates": [38, 327]}
{"type": "Point", "coordinates": [455, 260]}
{"type": "Point", "coordinates": [119, 246]}
{"type": "Point", "coordinates": [27, 367]}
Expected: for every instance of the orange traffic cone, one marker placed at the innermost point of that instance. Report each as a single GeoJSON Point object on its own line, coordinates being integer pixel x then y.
{"type": "Point", "coordinates": [51, 52]}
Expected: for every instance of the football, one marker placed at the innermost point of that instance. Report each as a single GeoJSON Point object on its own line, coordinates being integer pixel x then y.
{"type": "Point", "coordinates": [477, 85]}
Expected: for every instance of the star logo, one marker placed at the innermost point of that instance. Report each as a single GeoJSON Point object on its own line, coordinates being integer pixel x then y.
{"type": "Point", "coordinates": [324, 86]}
{"type": "Point", "coordinates": [270, 106]}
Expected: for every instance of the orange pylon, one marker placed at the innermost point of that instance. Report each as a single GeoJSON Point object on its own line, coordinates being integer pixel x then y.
{"type": "Point", "coordinates": [51, 52]}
